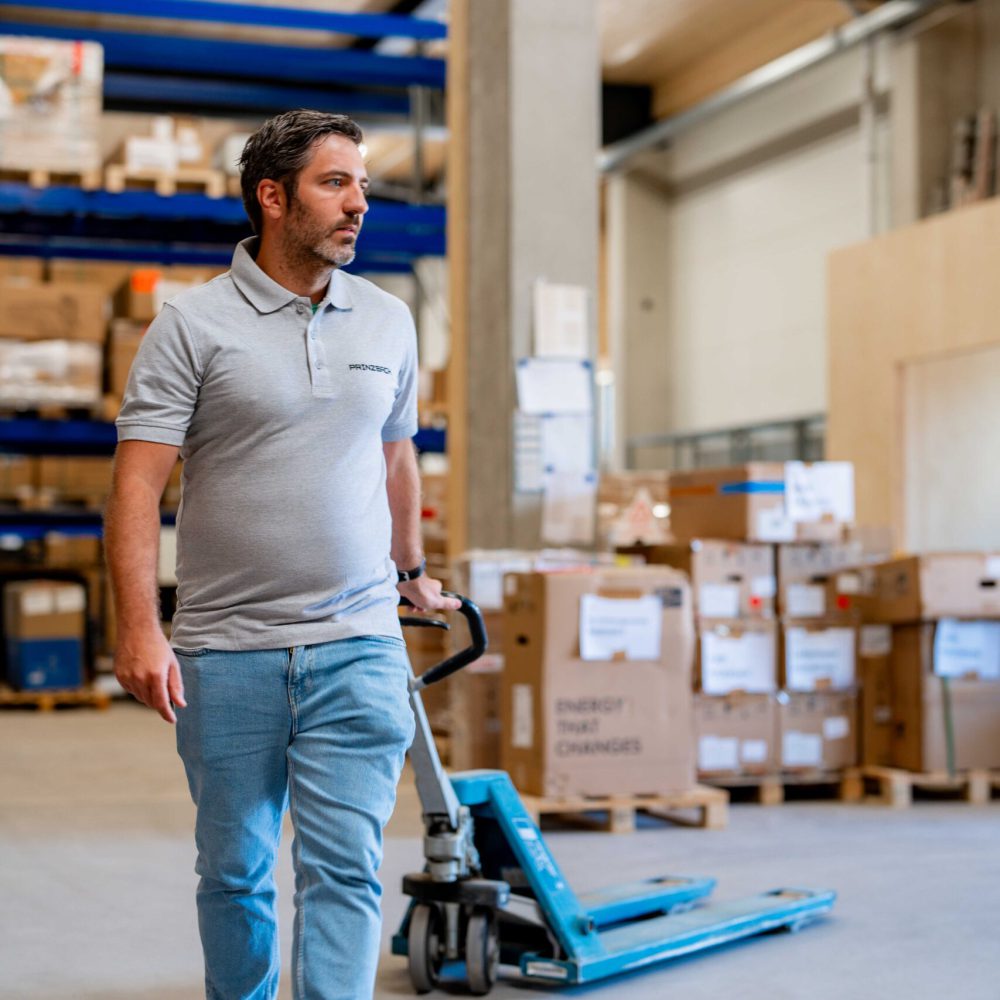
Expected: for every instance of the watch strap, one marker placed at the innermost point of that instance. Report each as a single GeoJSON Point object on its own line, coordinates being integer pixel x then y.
{"type": "Point", "coordinates": [405, 575]}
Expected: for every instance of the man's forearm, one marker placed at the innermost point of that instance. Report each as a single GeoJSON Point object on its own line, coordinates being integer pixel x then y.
{"type": "Point", "coordinates": [132, 540]}
{"type": "Point", "coordinates": [403, 488]}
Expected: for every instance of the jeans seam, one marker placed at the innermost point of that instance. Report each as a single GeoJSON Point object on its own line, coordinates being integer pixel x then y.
{"type": "Point", "coordinates": [300, 916]}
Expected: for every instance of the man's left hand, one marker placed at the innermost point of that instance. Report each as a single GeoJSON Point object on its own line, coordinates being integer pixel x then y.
{"type": "Point", "coordinates": [424, 594]}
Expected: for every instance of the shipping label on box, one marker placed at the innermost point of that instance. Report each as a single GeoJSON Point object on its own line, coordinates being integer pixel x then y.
{"type": "Point", "coordinates": [819, 659]}
{"type": "Point", "coordinates": [736, 659]}
{"type": "Point", "coordinates": [967, 649]}
{"type": "Point", "coordinates": [616, 628]}
{"type": "Point", "coordinates": [817, 730]}
{"type": "Point", "coordinates": [819, 491]}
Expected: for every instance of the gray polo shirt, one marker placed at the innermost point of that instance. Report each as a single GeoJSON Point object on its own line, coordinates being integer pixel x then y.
{"type": "Point", "coordinates": [283, 532]}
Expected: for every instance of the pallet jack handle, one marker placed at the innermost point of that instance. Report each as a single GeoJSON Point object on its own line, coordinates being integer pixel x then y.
{"type": "Point", "coordinates": [478, 640]}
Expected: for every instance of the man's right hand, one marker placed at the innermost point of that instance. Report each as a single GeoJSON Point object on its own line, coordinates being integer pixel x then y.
{"type": "Point", "coordinates": [146, 667]}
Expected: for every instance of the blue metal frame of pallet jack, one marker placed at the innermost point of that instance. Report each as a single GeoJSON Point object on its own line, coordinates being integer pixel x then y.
{"type": "Point", "coordinates": [625, 927]}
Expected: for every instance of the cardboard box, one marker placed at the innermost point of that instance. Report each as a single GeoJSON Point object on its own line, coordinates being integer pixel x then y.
{"type": "Point", "coordinates": [592, 703]}
{"type": "Point", "coordinates": [54, 312]}
{"type": "Point", "coordinates": [804, 574]}
{"type": "Point", "coordinates": [763, 502]}
{"type": "Point", "coordinates": [475, 714]}
{"type": "Point", "coordinates": [21, 270]}
{"type": "Point", "coordinates": [78, 478]}
{"type": "Point", "coordinates": [737, 655]}
{"type": "Point", "coordinates": [123, 345]}
{"type": "Point", "coordinates": [736, 734]}
{"type": "Point", "coordinates": [728, 579]}
{"type": "Point", "coordinates": [922, 588]}
{"type": "Point", "coordinates": [17, 476]}
{"type": "Point", "coordinates": [71, 551]}
{"type": "Point", "coordinates": [143, 294]}
{"type": "Point", "coordinates": [818, 656]}
{"type": "Point", "coordinates": [876, 716]}
{"type": "Point", "coordinates": [44, 372]}
{"type": "Point", "coordinates": [633, 508]}
{"type": "Point", "coordinates": [818, 731]}
{"type": "Point", "coordinates": [52, 104]}
{"type": "Point", "coordinates": [109, 275]}
{"type": "Point", "coordinates": [44, 609]}
{"type": "Point", "coordinates": [943, 722]}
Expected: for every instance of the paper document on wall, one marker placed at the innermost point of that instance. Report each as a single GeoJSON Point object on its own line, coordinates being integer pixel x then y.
{"type": "Point", "coordinates": [567, 442]}
{"type": "Point", "coordinates": [550, 385]}
{"type": "Point", "coordinates": [528, 464]}
{"type": "Point", "coordinates": [611, 628]}
{"type": "Point", "coordinates": [820, 490]}
{"type": "Point", "coordinates": [568, 507]}
{"type": "Point", "coordinates": [561, 321]}
{"type": "Point", "coordinates": [964, 649]}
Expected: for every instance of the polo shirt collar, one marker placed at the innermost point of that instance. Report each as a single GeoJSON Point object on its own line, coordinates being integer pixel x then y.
{"type": "Point", "coordinates": [266, 295]}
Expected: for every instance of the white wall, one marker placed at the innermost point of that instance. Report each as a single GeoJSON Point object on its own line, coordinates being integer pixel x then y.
{"type": "Point", "coordinates": [720, 272]}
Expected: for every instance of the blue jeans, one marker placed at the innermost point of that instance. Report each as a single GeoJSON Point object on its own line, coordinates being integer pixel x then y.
{"type": "Point", "coordinates": [322, 730]}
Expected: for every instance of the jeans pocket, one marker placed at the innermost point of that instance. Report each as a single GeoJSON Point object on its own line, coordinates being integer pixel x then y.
{"type": "Point", "coordinates": [180, 651]}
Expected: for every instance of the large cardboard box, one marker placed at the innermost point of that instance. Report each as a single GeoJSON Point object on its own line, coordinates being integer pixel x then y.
{"type": "Point", "coordinates": [763, 502]}
{"type": "Point", "coordinates": [596, 690]}
{"type": "Point", "coordinates": [818, 731]}
{"type": "Point", "coordinates": [922, 588]}
{"type": "Point", "coordinates": [123, 344]}
{"type": "Point", "coordinates": [108, 275]}
{"type": "Point", "coordinates": [728, 579]}
{"type": "Point", "coordinates": [737, 655]}
{"type": "Point", "coordinates": [51, 111]}
{"type": "Point", "coordinates": [71, 551]}
{"type": "Point", "coordinates": [21, 270]}
{"type": "Point", "coordinates": [54, 312]}
{"type": "Point", "coordinates": [44, 609]}
{"type": "Point", "coordinates": [818, 656]}
{"type": "Point", "coordinates": [17, 476]}
{"type": "Point", "coordinates": [475, 714]}
{"type": "Point", "coordinates": [804, 574]}
{"type": "Point", "coordinates": [78, 478]}
{"type": "Point", "coordinates": [736, 734]}
{"type": "Point", "coordinates": [946, 694]}
{"type": "Point", "coordinates": [142, 296]}
{"type": "Point", "coordinates": [876, 716]}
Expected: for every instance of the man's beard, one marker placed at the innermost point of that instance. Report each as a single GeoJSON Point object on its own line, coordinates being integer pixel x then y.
{"type": "Point", "coordinates": [313, 244]}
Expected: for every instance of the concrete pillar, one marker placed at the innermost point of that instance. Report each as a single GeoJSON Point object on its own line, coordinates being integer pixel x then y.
{"type": "Point", "coordinates": [524, 119]}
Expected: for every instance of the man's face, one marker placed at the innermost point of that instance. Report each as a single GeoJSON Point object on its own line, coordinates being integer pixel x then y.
{"type": "Point", "coordinates": [328, 204]}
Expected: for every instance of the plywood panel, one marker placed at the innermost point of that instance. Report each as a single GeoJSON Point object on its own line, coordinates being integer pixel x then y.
{"type": "Point", "coordinates": [916, 293]}
{"type": "Point", "coordinates": [951, 440]}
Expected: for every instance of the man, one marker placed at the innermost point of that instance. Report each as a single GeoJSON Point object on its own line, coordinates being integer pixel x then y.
{"type": "Point", "coordinates": [288, 388]}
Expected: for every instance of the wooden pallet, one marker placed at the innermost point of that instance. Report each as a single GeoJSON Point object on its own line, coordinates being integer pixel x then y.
{"type": "Point", "coordinates": [88, 180]}
{"type": "Point", "coordinates": [46, 701]}
{"type": "Point", "coordinates": [211, 182]}
{"type": "Point", "coordinates": [617, 813]}
{"type": "Point", "coordinates": [770, 789]}
{"type": "Point", "coordinates": [895, 787]}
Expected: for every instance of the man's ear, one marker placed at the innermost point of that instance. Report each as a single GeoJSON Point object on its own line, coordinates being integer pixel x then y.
{"type": "Point", "coordinates": [273, 199]}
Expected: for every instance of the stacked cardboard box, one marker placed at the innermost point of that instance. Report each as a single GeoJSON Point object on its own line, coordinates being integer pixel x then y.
{"type": "Point", "coordinates": [930, 660]}
{"type": "Point", "coordinates": [44, 628]}
{"type": "Point", "coordinates": [596, 686]}
{"type": "Point", "coordinates": [632, 508]}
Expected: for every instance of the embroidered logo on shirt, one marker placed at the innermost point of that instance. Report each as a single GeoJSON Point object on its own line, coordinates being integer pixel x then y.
{"type": "Point", "coordinates": [370, 368]}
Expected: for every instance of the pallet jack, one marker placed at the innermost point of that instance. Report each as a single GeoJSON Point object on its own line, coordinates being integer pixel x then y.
{"type": "Point", "coordinates": [491, 893]}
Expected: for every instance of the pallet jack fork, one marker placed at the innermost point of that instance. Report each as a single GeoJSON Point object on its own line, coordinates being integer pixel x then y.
{"type": "Point", "coordinates": [491, 893]}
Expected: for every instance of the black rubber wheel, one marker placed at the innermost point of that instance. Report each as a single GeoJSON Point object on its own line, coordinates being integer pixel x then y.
{"type": "Point", "coordinates": [424, 947]}
{"type": "Point", "coordinates": [482, 952]}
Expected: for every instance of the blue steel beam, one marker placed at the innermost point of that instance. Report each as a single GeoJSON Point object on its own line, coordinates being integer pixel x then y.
{"type": "Point", "coordinates": [246, 96]}
{"type": "Point", "coordinates": [246, 60]}
{"type": "Point", "coordinates": [361, 25]}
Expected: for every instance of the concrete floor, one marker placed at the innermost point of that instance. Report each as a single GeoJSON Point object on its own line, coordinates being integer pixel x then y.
{"type": "Point", "coordinates": [96, 882]}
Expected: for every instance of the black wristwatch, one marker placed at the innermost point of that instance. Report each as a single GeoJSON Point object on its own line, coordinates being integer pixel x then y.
{"type": "Point", "coordinates": [405, 575]}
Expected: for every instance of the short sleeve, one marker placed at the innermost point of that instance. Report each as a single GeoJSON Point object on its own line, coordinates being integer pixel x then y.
{"type": "Point", "coordinates": [162, 387]}
{"type": "Point", "coordinates": [402, 422]}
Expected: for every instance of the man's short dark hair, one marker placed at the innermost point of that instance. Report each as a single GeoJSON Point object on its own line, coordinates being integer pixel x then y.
{"type": "Point", "coordinates": [281, 147]}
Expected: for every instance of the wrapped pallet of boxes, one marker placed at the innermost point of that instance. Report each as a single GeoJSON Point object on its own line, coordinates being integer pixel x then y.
{"type": "Point", "coordinates": [763, 502]}
{"type": "Point", "coordinates": [596, 691]}
{"type": "Point", "coordinates": [50, 105]}
{"type": "Point", "coordinates": [736, 735]}
{"type": "Point", "coordinates": [817, 731]}
{"type": "Point", "coordinates": [44, 628]}
{"type": "Point", "coordinates": [50, 373]}
{"type": "Point", "coordinates": [728, 579]}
